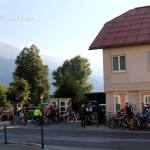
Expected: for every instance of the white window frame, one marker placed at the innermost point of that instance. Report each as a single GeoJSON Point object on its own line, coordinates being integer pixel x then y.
{"type": "Point", "coordinates": [126, 99]}
{"type": "Point", "coordinates": [118, 100]}
{"type": "Point", "coordinates": [119, 67]}
{"type": "Point", "coordinates": [146, 99]}
{"type": "Point", "coordinates": [148, 60]}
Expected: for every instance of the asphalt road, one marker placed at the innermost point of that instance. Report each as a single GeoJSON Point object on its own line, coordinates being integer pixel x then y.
{"type": "Point", "coordinates": [72, 135]}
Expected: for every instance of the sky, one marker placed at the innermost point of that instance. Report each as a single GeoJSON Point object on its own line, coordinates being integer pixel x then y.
{"type": "Point", "coordinates": [60, 28]}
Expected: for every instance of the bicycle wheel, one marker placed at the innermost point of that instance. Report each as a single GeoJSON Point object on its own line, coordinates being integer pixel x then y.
{"type": "Point", "coordinates": [92, 120]}
{"type": "Point", "coordinates": [121, 126]}
{"type": "Point", "coordinates": [44, 121]}
{"type": "Point", "coordinates": [48, 121]}
{"type": "Point", "coordinates": [147, 126]}
{"type": "Point", "coordinates": [139, 124]}
{"type": "Point", "coordinates": [23, 121]}
{"type": "Point", "coordinates": [36, 121]}
{"type": "Point", "coordinates": [113, 124]}
{"type": "Point", "coordinates": [13, 121]}
{"type": "Point", "coordinates": [106, 121]}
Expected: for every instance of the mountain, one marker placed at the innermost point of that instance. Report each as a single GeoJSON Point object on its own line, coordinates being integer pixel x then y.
{"type": "Point", "coordinates": [97, 82]}
{"type": "Point", "coordinates": [6, 50]}
{"type": "Point", "coordinates": [7, 67]}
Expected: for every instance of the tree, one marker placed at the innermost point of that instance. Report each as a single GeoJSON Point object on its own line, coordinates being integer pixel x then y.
{"type": "Point", "coordinates": [71, 79]}
{"type": "Point", "coordinates": [3, 99]}
{"type": "Point", "coordinates": [30, 67]}
{"type": "Point", "coordinates": [18, 91]}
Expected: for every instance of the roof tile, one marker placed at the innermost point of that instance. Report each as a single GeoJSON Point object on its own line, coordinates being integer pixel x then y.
{"type": "Point", "coordinates": [135, 26]}
{"type": "Point", "coordinates": [118, 41]}
{"type": "Point", "coordinates": [145, 25]}
{"type": "Point", "coordinates": [130, 28]}
{"type": "Point", "coordinates": [130, 39]}
{"type": "Point", "coordinates": [142, 38]}
{"type": "Point", "coordinates": [144, 31]}
{"type": "Point", "coordinates": [122, 33]}
{"type": "Point", "coordinates": [146, 20]}
{"type": "Point", "coordinates": [133, 32]}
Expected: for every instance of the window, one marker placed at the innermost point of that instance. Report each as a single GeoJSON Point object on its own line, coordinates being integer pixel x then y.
{"type": "Point", "coordinates": [68, 103]}
{"type": "Point", "coordinates": [62, 103]}
{"type": "Point", "coordinates": [147, 99]}
{"type": "Point", "coordinates": [148, 60]}
{"type": "Point", "coordinates": [126, 99]}
{"type": "Point", "coordinates": [118, 103]}
{"type": "Point", "coordinates": [62, 108]}
{"type": "Point", "coordinates": [119, 63]}
{"type": "Point", "coordinates": [53, 103]}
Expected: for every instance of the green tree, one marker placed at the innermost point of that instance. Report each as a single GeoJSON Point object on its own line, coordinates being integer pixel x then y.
{"type": "Point", "coordinates": [18, 91]}
{"type": "Point", "coordinates": [71, 79]}
{"type": "Point", "coordinates": [30, 67]}
{"type": "Point", "coordinates": [3, 98]}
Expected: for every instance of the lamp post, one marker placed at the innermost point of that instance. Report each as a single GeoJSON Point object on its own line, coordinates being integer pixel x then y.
{"type": "Point", "coordinates": [41, 99]}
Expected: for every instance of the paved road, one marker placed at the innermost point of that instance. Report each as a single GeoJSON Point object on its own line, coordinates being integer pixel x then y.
{"type": "Point", "coordinates": [73, 137]}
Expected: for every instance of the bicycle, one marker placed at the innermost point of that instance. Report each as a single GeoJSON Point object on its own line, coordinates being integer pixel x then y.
{"type": "Point", "coordinates": [116, 119]}
{"type": "Point", "coordinates": [147, 125]}
{"type": "Point", "coordinates": [19, 120]}
{"type": "Point", "coordinates": [114, 122]}
{"type": "Point", "coordinates": [89, 119]}
{"type": "Point", "coordinates": [71, 117]}
{"type": "Point", "coordinates": [125, 123]}
{"type": "Point", "coordinates": [38, 120]}
{"type": "Point", "coordinates": [107, 119]}
{"type": "Point", "coordinates": [139, 122]}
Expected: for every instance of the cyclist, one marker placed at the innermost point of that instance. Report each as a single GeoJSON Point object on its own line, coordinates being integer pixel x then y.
{"type": "Point", "coordinates": [146, 114]}
{"type": "Point", "coordinates": [37, 115]}
{"type": "Point", "coordinates": [146, 110]}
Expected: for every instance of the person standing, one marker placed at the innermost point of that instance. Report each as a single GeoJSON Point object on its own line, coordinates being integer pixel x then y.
{"type": "Point", "coordinates": [82, 112]}
{"type": "Point", "coordinates": [126, 107]}
{"type": "Point", "coordinates": [135, 110]}
{"type": "Point", "coordinates": [99, 115]}
{"type": "Point", "coordinates": [17, 110]}
{"type": "Point", "coordinates": [130, 115]}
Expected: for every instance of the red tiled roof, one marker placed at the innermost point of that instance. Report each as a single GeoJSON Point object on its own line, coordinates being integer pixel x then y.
{"type": "Point", "coordinates": [129, 29]}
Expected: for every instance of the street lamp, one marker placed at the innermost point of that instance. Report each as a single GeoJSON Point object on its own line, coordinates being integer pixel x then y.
{"type": "Point", "coordinates": [41, 99]}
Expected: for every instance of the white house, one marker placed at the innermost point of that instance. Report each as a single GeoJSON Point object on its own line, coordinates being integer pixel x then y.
{"type": "Point", "coordinates": [125, 41]}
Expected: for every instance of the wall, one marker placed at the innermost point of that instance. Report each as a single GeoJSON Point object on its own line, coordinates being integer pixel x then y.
{"type": "Point", "coordinates": [137, 75]}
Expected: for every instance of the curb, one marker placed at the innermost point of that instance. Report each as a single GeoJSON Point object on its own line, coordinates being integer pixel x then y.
{"type": "Point", "coordinates": [22, 143]}
{"type": "Point", "coordinates": [30, 144]}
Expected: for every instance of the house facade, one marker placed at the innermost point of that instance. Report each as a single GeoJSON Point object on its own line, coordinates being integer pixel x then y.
{"type": "Point", "coordinates": [125, 41]}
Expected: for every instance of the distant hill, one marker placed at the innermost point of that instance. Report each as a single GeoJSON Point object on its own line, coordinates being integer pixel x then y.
{"type": "Point", "coordinates": [97, 82]}
{"type": "Point", "coordinates": [8, 55]}
{"type": "Point", "coordinates": [7, 66]}
{"type": "Point", "coordinates": [8, 51]}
